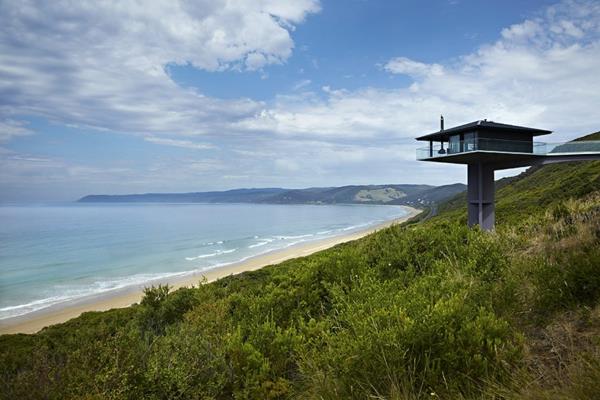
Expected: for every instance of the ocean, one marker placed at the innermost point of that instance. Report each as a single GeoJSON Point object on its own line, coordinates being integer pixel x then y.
{"type": "Point", "coordinates": [54, 254]}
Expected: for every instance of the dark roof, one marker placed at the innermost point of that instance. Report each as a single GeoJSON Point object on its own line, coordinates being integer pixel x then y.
{"type": "Point", "coordinates": [483, 125]}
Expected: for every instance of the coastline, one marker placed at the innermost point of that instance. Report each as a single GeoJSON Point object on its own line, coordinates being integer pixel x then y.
{"type": "Point", "coordinates": [36, 321]}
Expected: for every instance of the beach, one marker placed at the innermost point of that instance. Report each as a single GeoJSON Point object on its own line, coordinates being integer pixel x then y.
{"type": "Point", "coordinates": [35, 321]}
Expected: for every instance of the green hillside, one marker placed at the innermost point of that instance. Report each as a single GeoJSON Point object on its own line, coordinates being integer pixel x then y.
{"type": "Point", "coordinates": [432, 310]}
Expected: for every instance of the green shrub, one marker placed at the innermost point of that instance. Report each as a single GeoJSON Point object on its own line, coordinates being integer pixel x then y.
{"type": "Point", "coordinates": [159, 308]}
{"type": "Point", "coordinates": [431, 336]}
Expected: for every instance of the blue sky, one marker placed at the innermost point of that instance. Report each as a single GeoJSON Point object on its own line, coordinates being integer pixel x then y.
{"type": "Point", "coordinates": [181, 96]}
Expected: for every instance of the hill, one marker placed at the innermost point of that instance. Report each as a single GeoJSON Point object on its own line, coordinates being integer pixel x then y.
{"type": "Point", "coordinates": [419, 311]}
{"type": "Point", "coordinates": [379, 194]}
{"type": "Point", "coordinates": [417, 195]}
{"type": "Point", "coordinates": [229, 196]}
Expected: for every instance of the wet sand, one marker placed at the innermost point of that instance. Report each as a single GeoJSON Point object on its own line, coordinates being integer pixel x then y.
{"type": "Point", "coordinates": [33, 322]}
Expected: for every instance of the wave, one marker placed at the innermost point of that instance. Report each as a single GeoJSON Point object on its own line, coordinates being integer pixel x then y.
{"type": "Point", "coordinates": [349, 228]}
{"type": "Point", "coordinates": [262, 242]}
{"type": "Point", "coordinates": [294, 236]}
{"type": "Point", "coordinates": [324, 232]}
{"type": "Point", "coordinates": [102, 286]}
{"type": "Point", "coordinates": [216, 253]}
{"type": "Point", "coordinates": [256, 246]}
{"type": "Point", "coordinates": [211, 243]}
{"type": "Point", "coordinates": [71, 293]}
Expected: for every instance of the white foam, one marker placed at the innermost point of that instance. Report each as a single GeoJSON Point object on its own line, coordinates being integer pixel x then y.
{"type": "Point", "coordinates": [324, 232]}
{"type": "Point", "coordinates": [349, 228]}
{"type": "Point", "coordinates": [256, 246]}
{"type": "Point", "coordinates": [261, 243]}
{"type": "Point", "coordinates": [211, 243]}
{"type": "Point", "coordinates": [71, 293]}
{"type": "Point", "coordinates": [34, 304]}
{"type": "Point", "coordinates": [216, 253]}
{"type": "Point", "coordinates": [294, 237]}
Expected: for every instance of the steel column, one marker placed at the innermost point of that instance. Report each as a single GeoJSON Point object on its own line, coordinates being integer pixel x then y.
{"type": "Point", "coordinates": [480, 195]}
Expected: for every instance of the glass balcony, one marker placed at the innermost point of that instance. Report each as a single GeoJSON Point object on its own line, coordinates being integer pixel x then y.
{"type": "Point", "coordinates": [507, 146]}
{"type": "Point", "coordinates": [581, 147]}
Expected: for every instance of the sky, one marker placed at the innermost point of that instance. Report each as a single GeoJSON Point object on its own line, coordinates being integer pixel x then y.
{"type": "Point", "coordinates": [119, 97]}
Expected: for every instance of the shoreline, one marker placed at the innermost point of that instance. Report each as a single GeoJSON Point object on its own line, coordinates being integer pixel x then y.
{"type": "Point", "coordinates": [35, 321]}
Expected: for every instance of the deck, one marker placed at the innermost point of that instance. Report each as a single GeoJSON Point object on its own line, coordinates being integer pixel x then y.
{"type": "Point", "coordinates": [510, 152]}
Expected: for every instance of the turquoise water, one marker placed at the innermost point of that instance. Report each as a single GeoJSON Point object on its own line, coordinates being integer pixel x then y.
{"type": "Point", "coordinates": [55, 254]}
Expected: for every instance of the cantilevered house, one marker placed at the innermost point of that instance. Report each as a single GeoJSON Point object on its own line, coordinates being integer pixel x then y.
{"type": "Point", "coordinates": [486, 146]}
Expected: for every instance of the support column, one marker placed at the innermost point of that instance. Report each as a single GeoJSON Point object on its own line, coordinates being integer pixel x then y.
{"type": "Point", "coordinates": [480, 196]}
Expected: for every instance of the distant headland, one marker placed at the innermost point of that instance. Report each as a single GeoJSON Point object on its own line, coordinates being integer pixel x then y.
{"type": "Point", "coordinates": [411, 195]}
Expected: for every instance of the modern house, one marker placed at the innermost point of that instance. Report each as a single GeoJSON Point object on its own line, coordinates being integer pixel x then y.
{"type": "Point", "coordinates": [487, 146]}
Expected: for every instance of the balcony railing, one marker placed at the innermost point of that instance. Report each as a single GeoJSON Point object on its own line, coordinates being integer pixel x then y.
{"type": "Point", "coordinates": [581, 147]}
{"type": "Point", "coordinates": [507, 146]}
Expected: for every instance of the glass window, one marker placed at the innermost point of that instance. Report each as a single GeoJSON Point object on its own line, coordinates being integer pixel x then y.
{"type": "Point", "coordinates": [454, 144]}
{"type": "Point", "coordinates": [470, 142]}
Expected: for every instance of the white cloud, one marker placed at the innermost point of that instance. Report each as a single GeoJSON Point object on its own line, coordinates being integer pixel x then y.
{"type": "Point", "coordinates": [542, 72]}
{"type": "Point", "coordinates": [522, 31]}
{"type": "Point", "coordinates": [24, 176]}
{"type": "Point", "coordinates": [403, 65]}
{"type": "Point", "coordinates": [302, 84]}
{"type": "Point", "coordinates": [294, 11]}
{"type": "Point", "coordinates": [105, 64]}
{"type": "Point", "coordinates": [287, 165]}
{"type": "Point", "coordinates": [179, 143]}
{"type": "Point", "coordinates": [316, 162]}
{"type": "Point", "coordinates": [256, 61]}
{"type": "Point", "coordinates": [10, 128]}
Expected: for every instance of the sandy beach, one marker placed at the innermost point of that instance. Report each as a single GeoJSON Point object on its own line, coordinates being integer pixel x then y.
{"type": "Point", "coordinates": [34, 322]}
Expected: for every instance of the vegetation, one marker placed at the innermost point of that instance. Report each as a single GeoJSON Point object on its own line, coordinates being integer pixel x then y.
{"type": "Point", "coordinates": [424, 310]}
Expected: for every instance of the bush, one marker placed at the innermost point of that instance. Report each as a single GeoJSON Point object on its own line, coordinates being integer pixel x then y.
{"type": "Point", "coordinates": [159, 308]}
{"type": "Point", "coordinates": [431, 336]}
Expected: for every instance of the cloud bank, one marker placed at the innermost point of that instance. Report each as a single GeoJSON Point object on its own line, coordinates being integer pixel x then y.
{"type": "Point", "coordinates": [541, 72]}
{"type": "Point", "coordinates": [105, 66]}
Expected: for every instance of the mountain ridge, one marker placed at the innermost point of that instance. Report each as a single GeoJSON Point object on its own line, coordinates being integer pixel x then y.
{"type": "Point", "coordinates": [396, 194]}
